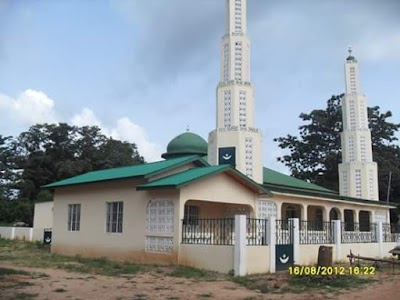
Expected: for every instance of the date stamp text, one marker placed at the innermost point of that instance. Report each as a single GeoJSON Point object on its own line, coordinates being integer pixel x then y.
{"type": "Point", "coordinates": [327, 271]}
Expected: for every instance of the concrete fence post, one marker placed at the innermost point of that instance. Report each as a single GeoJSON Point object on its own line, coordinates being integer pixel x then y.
{"type": "Point", "coordinates": [240, 246]}
{"type": "Point", "coordinates": [30, 234]}
{"type": "Point", "coordinates": [379, 237]}
{"type": "Point", "coordinates": [271, 240]}
{"type": "Point", "coordinates": [12, 234]}
{"type": "Point", "coordinates": [337, 238]}
{"type": "Point", "coordinates": [296, 240]}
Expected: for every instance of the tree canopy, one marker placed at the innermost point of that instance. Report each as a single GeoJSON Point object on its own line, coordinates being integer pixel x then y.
{"type": "Point", "coordinates": [51, 152]}
{"type": "Point", "coordinates": [315, 154]}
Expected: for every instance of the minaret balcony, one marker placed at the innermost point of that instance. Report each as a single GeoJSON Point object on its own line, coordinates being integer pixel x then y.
{"type": "Point", "coordinates": [228, 35]}
{"type": "Point", "coordinates": [238, 128]}
{"type": "Point", "coordinates": [234, 82]}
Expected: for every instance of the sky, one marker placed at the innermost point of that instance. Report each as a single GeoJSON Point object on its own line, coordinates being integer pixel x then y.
{"type": "Point", "coordinates": [145, 70]}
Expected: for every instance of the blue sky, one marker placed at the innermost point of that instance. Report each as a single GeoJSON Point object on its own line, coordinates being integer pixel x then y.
{"type": "Point", "coordinates": [145, 69]}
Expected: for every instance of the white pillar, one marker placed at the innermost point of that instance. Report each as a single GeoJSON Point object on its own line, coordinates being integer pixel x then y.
{"type": "Point", "coordinates": [379, 237]}
{"type": "Point", "coordinates": [12, 235]}
{"type": "Point", "coordinates": [296, 240]}
{"type": "Point", "coordinates": [240, 246]}
{"type": "Point", "coordinates": [30, 234]}
{"type": "Point", "coordinates": [271, 229]}
{"type": "Point", "coordinates": [337, 238]}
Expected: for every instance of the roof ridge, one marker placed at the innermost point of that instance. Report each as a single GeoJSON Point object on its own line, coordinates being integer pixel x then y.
{"type": "Point", "coordinates": [146, 163]}
{"type": "Point", "coordinates": [125, 172]}
{"type": "Point", "coordinates": [306, 185]}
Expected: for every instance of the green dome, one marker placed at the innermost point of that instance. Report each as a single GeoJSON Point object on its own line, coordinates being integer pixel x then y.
{"type": "Point", "coordinates": [350, 57]}
{"type": "Point", "coordinates": [187, 143]}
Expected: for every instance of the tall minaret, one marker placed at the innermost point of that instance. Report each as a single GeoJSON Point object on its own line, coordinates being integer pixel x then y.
{"type": "Point", "coordinates": [235, 140]}
{"type": "Point", "coordinates": [358, 174]}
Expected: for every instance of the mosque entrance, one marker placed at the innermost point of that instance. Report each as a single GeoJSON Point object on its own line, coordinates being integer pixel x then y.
{"type": "Point", "coordinates": [284, 252]}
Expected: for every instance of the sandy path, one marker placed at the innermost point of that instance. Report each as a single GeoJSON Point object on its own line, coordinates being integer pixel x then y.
{"type": "Point", "coordinates": [151, 285]}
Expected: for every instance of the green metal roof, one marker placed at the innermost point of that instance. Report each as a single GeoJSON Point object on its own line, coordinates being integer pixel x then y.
{"type": "Point", "coordinates": [334, 196]}
{"type": "Point", "coordinates": [281, 183]}
{"type": "Point", "coordinates": [275, 178]}
{"type": "Point", "coordinates": [186, 177]}
{"type": "Point", "coordinates": [144, 170]}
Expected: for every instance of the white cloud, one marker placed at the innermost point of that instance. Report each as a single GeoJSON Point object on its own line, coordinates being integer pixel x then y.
{"type": "Point", "coordinates": [33, 107]}
{"type": "Point", "coordinates": [131, 132]}
{"type": "Point", "coordinates": [30, 107]}
{"type": "Point", "coordinates": [125, 130]}
{"type": "Point", "coordinates": [85, 118]}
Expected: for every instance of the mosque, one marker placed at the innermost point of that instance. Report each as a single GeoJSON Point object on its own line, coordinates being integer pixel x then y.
{"type": "Point", "coordinates": [139, 212]}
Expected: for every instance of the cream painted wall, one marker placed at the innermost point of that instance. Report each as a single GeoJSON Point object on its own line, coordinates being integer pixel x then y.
{"type": "Point", "coordinates": [218, 210]}
{"type": "Point", "coordinates": [215, 258]}
{"type": "Point", "coordinates": [43, 215]}
{"type": "Point", "coordinates": [309, 254]}
{"type": "Point", "coordinates": [257, 259]}
{"type": "Point", "coordinates": [92, 239]}
{"type": "Point", "coordinates": [218, 188]}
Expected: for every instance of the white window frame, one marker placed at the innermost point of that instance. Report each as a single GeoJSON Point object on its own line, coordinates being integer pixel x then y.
{"type": "Point", "coordinates": [74, 217]}
{"type": "Point", "coordinates": [114, 216]}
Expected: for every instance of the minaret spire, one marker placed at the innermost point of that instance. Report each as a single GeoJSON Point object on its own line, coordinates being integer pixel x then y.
{"type": "Point", "coordinates": [358, 173]}
{"type": "Point", "coordinates": [235, 134]}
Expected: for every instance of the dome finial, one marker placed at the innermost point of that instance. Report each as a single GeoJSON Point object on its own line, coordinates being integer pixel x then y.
{"type": "Point", "coordinates": [187, 128]}
{"type": "Point", "coordinates": [350, 50]}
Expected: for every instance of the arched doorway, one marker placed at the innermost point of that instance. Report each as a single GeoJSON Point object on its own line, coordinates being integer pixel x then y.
{"type": "Point", "coordinates": [290, 211]}
{"type": "Point", "coordinates": [334, 214]}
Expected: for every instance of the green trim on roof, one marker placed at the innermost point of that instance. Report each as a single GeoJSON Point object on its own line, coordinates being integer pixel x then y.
{"type": "Point", "coordinates": [145, 170]}
{"type": "Point", "coordinates": [183, 178]}
{"type": "Point", "coordinates": [328, 196]}
{"type": "Point", "coordinates": [271, 177]}
{"type": "Point", "coordinates": [189, 176]}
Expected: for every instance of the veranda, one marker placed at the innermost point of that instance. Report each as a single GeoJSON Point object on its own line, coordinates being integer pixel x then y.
{"type": "Point", "coordinates": [248, 245]}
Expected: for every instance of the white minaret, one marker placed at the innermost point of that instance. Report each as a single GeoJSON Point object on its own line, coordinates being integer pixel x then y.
{"type": "Point", "coordinates": [358, 174]}
{"type": "Point", "coordinates": [235, 140]}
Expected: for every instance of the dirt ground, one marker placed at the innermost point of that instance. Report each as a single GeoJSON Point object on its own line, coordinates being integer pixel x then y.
{"type": "Point", "coordinates": [54, 284]}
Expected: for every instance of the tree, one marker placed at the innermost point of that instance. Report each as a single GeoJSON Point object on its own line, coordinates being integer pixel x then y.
{"type": "Point", "coordinates": [52, 152]}
{"type": "Point", "coordinates": [8, 169]}
{"type": "Point", "coordinates": [316, 153]}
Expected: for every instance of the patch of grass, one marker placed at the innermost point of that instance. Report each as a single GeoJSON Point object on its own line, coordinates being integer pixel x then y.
{"type": "Point", "coordinates": [21, 284]}
{"type": "Point", "coordinates": [6, 271]}
{"type": "Point", "coordinates": [24, 296]}
{"type": "Point", "coordinates": [249, 282]}
{"type": "Point", "coordinates": [37, 255]}
{"type": "Point", "coordinates": [140, 297]}
{"type": "Point", "coordinates": [188, 272]}
{"type": "Point", "coordinates": [161, 288]}
{"type": "Point", "coordinates": [300, 283]}
{"type": "Point", "coordinates": [40, 275]}
{"type": "Point", "coordinates": [205, 295]}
